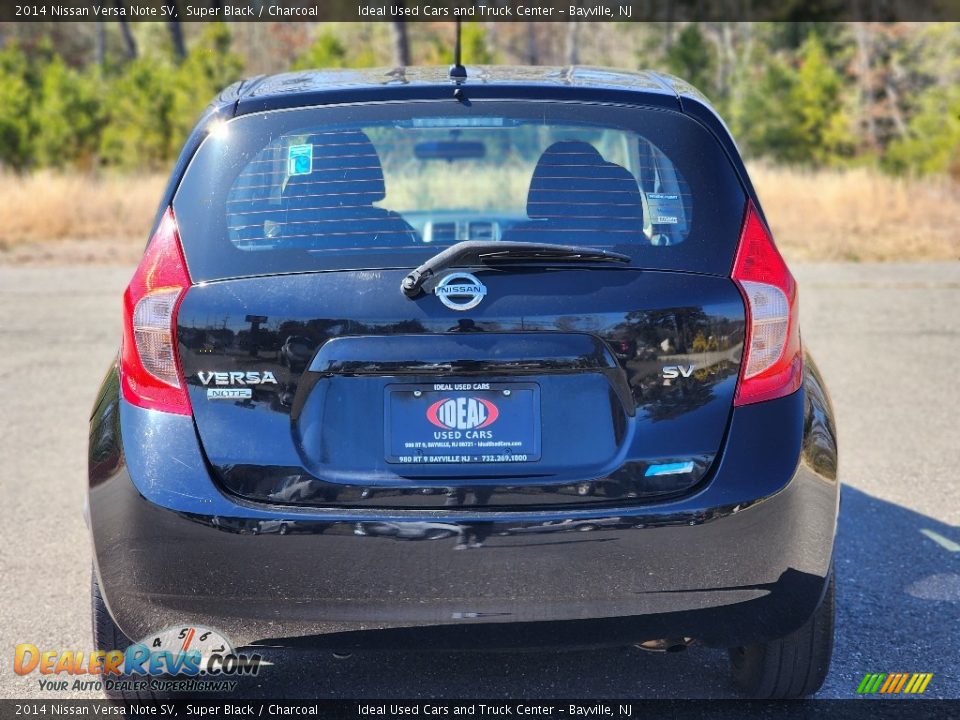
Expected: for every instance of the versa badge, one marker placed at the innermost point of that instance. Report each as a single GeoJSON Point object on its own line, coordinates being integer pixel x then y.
{"type": "Point", "coordinates": [228, 380]}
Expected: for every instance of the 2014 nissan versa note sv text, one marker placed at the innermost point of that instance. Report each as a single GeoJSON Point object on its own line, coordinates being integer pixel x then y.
{"type": "Point", "coordinates": [398, 340]}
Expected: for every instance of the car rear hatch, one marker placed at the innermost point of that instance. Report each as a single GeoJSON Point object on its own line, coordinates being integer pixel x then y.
{"type": "Point", "coordinates": [314, 380]}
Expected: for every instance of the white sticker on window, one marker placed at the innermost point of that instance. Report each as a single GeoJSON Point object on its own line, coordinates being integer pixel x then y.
{"type": "Point", "coordinates": [667, 220]}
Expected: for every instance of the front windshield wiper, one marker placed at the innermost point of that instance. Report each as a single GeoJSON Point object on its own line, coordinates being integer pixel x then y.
{"type": "Point", "coordinates": [497, 252]}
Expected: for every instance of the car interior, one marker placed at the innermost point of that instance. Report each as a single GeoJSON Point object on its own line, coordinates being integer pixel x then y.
{"type": "Point", "coordinates": [341, 189]}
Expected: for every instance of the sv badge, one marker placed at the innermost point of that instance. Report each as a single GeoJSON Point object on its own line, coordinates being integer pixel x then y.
{"type": "Point", "coordinates": [674, 371]}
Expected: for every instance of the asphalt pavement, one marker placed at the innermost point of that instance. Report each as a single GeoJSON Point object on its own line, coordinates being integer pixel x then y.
{"type": "Point", "coordinates": [885, 336]}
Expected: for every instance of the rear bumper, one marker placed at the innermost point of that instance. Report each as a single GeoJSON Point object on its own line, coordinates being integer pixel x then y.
{"type": "Point", "coordinates": [743, 559]}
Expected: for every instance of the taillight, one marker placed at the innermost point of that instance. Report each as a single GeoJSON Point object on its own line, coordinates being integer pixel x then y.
{"type": "Point", "coordinates": [150, 374]}
{"type": "Point", "coordinates": [773, 360]}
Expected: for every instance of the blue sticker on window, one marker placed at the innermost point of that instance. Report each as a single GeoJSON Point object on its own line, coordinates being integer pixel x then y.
{"type": "Point", "coordinates": [300, 160]}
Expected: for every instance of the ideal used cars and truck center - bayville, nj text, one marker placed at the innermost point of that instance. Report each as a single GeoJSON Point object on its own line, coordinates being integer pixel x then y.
{"type": "Point", "coordinates": [214, 13]}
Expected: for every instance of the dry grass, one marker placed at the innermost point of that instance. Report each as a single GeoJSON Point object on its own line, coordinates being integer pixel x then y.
{"type": "Point", "coordinates": [855, 215]}
{"type": "Point", "coordinates": [859, 214]}
{"type": "Point", "coordinates": [48, 206]}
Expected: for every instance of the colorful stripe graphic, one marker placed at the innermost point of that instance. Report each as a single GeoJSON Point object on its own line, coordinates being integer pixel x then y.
{"type": "Point", "coordinates": [894, 683]}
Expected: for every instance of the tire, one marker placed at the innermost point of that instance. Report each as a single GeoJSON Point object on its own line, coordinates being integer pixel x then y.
{"type": "Point", "coordinates": [107, 636]}
{"type": "Point", "coordinates": [794, 666]}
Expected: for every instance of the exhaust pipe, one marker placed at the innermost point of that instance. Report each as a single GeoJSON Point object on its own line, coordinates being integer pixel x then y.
{"type": "Point", "coordinates": [665, 645]}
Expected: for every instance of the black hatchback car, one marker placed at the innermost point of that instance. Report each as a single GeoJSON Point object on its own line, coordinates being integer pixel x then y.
{"type": "Point", "coordinates": [399, 341]}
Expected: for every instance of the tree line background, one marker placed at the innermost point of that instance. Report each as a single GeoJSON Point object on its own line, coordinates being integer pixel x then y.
{"type": "Point", "coordinates": [123, 95]}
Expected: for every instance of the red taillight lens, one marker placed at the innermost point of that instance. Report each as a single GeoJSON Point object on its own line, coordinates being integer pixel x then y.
{"type": "Point", "coordinates": [773, 361]}
{"type": "Point", "coordinates": [150, 374]}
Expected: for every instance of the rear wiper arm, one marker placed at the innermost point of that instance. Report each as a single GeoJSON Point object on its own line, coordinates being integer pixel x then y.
{"type": "Point", "coordinates": [496, 252]}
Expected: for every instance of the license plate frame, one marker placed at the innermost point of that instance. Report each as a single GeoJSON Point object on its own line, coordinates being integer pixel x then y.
{"type": "Point", "coordinates": [462, 433]}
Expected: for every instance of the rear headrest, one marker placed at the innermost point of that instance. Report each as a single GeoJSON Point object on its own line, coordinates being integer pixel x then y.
{"type": "Point", "coordinates": [573, 181]}
{"type": "Point", "coordinates": [345, 171]}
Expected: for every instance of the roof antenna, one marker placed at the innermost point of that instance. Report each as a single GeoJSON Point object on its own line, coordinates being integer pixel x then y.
{"type": "Point", "coordinates": [458, 72]}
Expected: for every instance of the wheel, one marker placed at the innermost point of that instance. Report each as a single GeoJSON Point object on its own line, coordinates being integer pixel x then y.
{"type": "Point", "coordinates": [107, 636]}
{"type": "Point", "coordinates": [791, 667]}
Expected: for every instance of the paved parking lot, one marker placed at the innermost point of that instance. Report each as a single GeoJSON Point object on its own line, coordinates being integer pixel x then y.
{"type": "Point", "coordinates": [886, 338]}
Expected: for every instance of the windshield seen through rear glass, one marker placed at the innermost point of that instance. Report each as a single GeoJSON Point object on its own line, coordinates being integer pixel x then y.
{"type": "Point", "coordinates": [389, 185]}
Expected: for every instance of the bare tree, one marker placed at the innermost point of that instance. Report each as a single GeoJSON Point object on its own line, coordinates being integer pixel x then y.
{"type": "Point", "coordinates": [572, 50]}
{"type": "Point", "coordinates": [533, 55]}
{"type": "Point", "coordinates": [893, 78]}
{"type": "Point", "coordinates": [493, 37]}
{"type": "Point", "coordinates": [861, 32]}
{"type": "Point", "coordinates": [401, 43]}
{"type": "Point", "coordinates": [129, 43]}
{"type": "Point", "coordinates": [176, 32]}
{"type": "Point", "coordinates": [727, 58]}
{"type": "Point", "coordinates": [667, 26]}
{"type": "Point", "coordinates": [101, 44]}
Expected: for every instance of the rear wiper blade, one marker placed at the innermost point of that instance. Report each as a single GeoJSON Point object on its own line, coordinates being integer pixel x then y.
{"type": "Point", "coordinates": [496, 252]}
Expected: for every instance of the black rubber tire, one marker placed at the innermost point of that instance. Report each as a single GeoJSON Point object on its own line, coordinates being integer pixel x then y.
{"type": "Point", "coordinates": [107, 636]}
{"type": "Point", "coordinates": [791, 667]}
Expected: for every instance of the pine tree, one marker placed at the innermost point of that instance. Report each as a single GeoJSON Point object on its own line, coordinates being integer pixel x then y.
{"type": "Point", "coordinates": [16, 127]}
{"type": "Point", "coordinates": [67, 117]}
{"type": "Point", "coordinates": [208, 67]}
{"type": "Point", "coordinates": [691, 58]}
{"type": "Point", "coordinates": [822, 135]}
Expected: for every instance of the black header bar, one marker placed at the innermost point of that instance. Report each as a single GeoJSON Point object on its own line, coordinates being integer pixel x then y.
{"type": "Point", "coordinates": [479, 10]}
{"type": "Point", "coordinates": [218, 709]}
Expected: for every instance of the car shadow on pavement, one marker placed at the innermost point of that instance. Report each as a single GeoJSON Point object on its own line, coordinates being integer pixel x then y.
{"type": "Point", "coordinates": [898, 593]}
{"type": "Point", "coordinates": [898, 596]}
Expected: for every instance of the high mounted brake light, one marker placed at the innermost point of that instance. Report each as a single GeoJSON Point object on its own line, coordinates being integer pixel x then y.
{"type": "Point", "coordinates": [150, 373]}
{"type": "Point", "coordinates": [773, 360]}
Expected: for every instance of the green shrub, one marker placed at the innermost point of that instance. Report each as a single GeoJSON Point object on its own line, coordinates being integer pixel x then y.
{"type": "Point", "coordinates": [208, 68]}
{"type": "Point", "coordinates": [67, 117]}
{"type": "Point", "coordinates": [933, 141]}
{"type": "Point", "coordinates": [795, 115]}
{"type": "Point", "coordinates": [138, 134]}
{"type": "Point", "coordinates": [16, 96]}
{"type": "Point", "coordinates": [326, 51]}
{"type": "Point", "coordinates": [691, 58]}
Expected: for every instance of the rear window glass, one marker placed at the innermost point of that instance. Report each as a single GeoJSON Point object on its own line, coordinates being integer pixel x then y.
{"type": "Point", "coordinates": [389, 185]}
